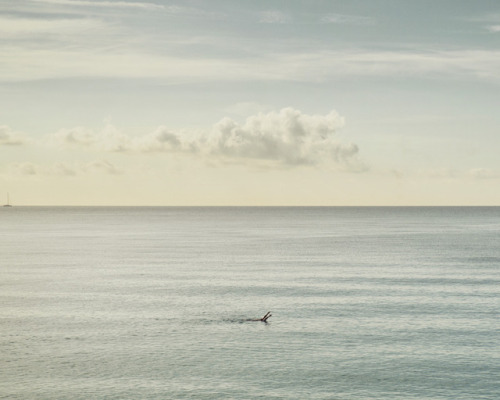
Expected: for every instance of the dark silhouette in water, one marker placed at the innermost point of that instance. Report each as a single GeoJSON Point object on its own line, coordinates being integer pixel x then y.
{"type": "Point", "coordinates": [241, 321]}
{"type": "Point", "coordinates": [264, 318]}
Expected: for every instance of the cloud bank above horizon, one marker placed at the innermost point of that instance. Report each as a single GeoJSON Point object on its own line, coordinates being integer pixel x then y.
{"type": "Point", "coordinates": [277, 139]}
{"type": "Point", "coordinates": [272, 140]}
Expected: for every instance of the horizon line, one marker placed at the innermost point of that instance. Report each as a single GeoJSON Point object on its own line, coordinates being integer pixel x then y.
{"type": "Point", "coordinates": [261, 206]}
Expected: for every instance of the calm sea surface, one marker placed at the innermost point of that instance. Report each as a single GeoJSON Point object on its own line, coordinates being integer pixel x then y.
{"type": "Point", "coordinates": [152, 303]}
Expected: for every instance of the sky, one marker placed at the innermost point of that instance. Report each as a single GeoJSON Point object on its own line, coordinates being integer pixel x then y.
{"type": "Point", "coordinates": [250, 103]}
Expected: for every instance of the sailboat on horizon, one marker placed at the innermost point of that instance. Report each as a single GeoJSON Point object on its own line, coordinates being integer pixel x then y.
{"type": "Point", "coordinates": [8, 202]}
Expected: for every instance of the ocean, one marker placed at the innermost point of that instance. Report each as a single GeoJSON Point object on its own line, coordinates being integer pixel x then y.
{"type": "Point", "coordinates": [155, 303]}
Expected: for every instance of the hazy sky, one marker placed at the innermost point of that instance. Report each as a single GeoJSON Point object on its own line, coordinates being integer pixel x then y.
{"type": "Point", "coordinates": [208, 102]}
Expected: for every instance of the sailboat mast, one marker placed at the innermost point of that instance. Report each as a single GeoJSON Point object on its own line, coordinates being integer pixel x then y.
{"type": "Point", "coordinates": [8, 201]}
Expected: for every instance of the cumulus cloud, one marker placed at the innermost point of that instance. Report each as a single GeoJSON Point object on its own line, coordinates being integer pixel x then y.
{"type": "Point", "coordinates": [160, 140]}
{"type": "Point", "coordinates": [284, 138]}
{"type": "Point", "coordinates": [111, 139]}
{"type": "Point", "coordinates": [9, 137]}
{"type": "Point", "coordinates": [288, 137]}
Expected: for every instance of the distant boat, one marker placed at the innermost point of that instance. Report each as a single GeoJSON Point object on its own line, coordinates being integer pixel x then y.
{"type": "Point", "coordinates": [8, 202]}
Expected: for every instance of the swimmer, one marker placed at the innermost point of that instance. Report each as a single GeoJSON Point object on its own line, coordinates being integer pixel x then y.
{"type": "Point", "coordinates": [264, 318]}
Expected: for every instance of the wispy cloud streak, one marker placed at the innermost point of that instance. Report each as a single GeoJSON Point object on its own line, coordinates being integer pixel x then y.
{"type": "Point", "coordinates": [62, 169]}
{"type": "Point", "coordinates": [107, 4]}
{"type": "Point", "coordinates": [274, 17]}
{"type": "Point", "coordinates": [12, 27]}
{"type": "Point", "coordinates": [347, 19]}
{"type": "Point", "coordinates": [23, 64]}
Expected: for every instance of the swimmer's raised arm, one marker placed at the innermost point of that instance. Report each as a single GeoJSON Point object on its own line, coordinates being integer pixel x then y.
{"type": "Point", "coordinates": [266, 317]}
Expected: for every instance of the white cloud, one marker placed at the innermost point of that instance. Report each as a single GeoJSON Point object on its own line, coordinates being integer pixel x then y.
{"type": "Point", "coordinates": [74, 136]}
{"type": "Point", "coordinates": [111, 139]}
{"type": "Point", "coordinates": [9, 137]}
{"type": "Point", "coordinates": [494, 28]}
{"type": "Point", "coordinates": [288, 138]}
{"type": "Point", "coordinates": [108, 139]}
{"type": "Point", "coordinates": [164, 140]}
{"type": "Point", "coordinates": [282, 138]}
